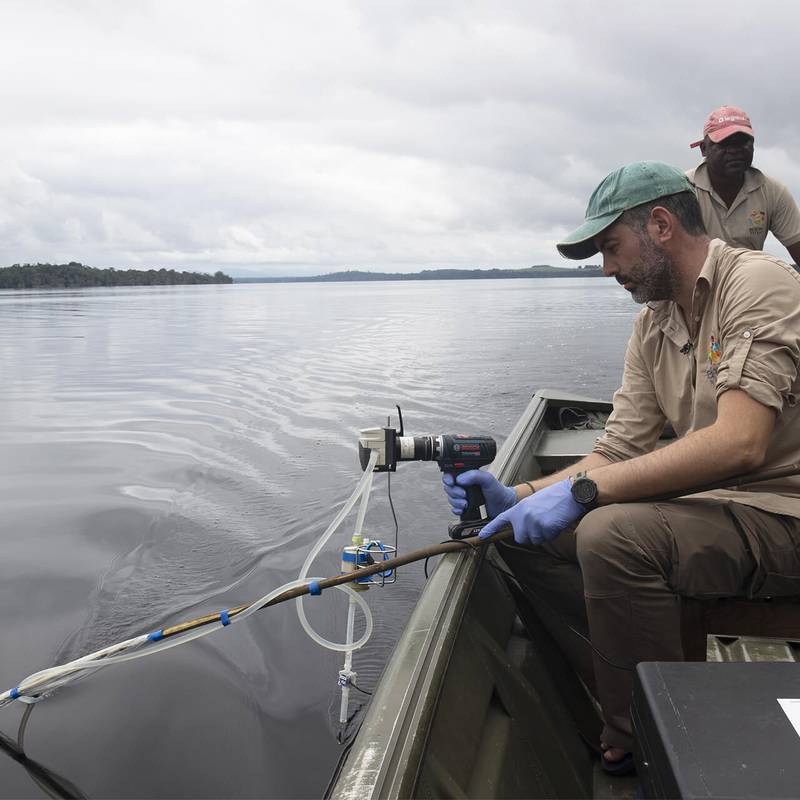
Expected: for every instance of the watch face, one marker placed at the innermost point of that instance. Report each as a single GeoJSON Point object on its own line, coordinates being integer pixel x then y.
{"type": "Point", "coordinates": [584, 490]}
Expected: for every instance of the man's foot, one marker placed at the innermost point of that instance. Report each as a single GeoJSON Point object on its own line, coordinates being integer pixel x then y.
{"type": "Point", "coordinates": [616, 761]}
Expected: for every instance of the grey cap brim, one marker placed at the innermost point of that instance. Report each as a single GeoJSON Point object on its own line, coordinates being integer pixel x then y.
{"type": "Point", "coordinates": [579, 245]}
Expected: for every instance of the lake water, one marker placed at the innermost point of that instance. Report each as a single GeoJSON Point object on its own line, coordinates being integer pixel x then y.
{"type": "Point", "coordinates": [172, 451]}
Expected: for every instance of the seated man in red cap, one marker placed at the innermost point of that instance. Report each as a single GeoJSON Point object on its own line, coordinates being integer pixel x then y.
{"type": "Point", "coordinates": [739, 203]}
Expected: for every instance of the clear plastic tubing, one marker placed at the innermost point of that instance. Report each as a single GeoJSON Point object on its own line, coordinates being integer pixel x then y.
{"type": "Point", "coordinates": [363, 488]}
{"type": "Point", "coordinates": [50, 678]}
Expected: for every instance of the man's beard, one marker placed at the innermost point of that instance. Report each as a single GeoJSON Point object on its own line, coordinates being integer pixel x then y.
{"type": "Point", "coordinates": [653, 277]}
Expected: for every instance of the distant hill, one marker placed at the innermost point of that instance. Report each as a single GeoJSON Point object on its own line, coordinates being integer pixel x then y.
{"type": "Point", "coordinates": [62, 276]}
{"type": "Point", "coordinates": [538, 271]}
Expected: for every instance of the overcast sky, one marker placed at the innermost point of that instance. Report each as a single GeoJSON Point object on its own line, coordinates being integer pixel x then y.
{"type": "Point", "coordinates": [304, 137]}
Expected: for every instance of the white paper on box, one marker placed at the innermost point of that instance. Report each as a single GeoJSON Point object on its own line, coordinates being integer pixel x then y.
{"type": "Point", "coordinates": [791, 707]}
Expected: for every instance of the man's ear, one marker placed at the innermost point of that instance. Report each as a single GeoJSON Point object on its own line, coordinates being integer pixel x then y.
{"type": "Point", "coordinates": [662, 224]}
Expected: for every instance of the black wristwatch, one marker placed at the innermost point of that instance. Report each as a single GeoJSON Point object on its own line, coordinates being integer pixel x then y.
{"type": "Point", "coordinates": [584, 491]}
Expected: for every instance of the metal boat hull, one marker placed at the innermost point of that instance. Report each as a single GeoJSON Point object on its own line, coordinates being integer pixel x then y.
{"type": "Point", "coordinates": [470, 703]}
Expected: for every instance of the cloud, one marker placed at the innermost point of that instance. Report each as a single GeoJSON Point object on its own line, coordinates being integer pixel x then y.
{"type": "Point", "coordinates": [283, 138]}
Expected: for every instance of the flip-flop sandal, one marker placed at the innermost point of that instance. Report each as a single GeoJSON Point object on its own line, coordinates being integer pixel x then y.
{"type": "Point", "coordinates": [625, 765]}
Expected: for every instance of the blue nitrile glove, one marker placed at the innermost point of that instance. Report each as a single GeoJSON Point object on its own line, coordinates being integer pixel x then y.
{"type": "Point", "coordinates": [498, 497]}
{"type": "Point", "coordinates": [540, 517]}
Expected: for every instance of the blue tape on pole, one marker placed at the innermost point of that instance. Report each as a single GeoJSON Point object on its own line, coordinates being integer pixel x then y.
{"type": "Point", "coordinates": [224, 618]}
{"type": "Point", "coordinates": [155, 636]}
{"type": "Point", "coordinates": [314, 588]}
{"type": "Point", "coordinates": [14, 693]}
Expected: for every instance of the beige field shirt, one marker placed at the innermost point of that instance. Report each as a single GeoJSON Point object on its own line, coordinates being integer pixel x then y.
{"type": "Point", "coordinates": [762, 205]}
{"type": "Point", "coordinates": [744, 334]}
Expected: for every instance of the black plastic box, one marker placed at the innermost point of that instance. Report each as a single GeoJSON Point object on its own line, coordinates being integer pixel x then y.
{"type": "Point", "coordinates": [716, 730]}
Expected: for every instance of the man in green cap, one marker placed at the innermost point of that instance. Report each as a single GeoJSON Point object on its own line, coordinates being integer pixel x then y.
{"type": "Point", "coordinates": [715, 352]}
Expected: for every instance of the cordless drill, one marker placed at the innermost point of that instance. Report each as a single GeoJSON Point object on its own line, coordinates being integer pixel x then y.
{"type": "Point", "coordinates": [454, 453]}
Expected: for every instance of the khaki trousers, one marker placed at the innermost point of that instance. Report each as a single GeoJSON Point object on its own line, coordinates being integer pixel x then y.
{"type": "Point", "coordinates": [618, 577]}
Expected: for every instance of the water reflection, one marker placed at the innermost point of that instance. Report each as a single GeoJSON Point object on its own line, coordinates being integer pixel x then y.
{"type": "Point", "coordinates": [52, 784]}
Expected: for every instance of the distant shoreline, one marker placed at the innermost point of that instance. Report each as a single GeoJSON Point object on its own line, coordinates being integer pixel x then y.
{"type": "Point", "coordinates": [76, 275]}
{"type": "Point", "coordinates": [539, 271]}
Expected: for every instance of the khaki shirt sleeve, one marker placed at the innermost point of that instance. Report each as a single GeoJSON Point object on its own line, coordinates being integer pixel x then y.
{"type": "Point", "coordinates": [785, 216]}
{"type": "Point", "coordinates": [636, 422]}
{"type": "Point", "coordinates": [759, 323]}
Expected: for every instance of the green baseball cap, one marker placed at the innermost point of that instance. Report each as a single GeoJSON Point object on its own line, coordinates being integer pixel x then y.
{"type": "Point", "coordinates": [624, 188]}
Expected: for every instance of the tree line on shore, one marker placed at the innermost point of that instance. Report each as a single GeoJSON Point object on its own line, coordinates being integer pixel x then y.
{"type": "Point", "coordinates": [74, 274]}
{"type": "Point", "coordinates": [538, 271]}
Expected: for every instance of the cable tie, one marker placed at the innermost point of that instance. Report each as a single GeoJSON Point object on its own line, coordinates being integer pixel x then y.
{"type": "Point", "coordinates": [314, 588]}
{"type": "Point", "coordinates": [224, 618]}
{"type": "Point", "coordinates": [155, 636]}
{"type": "Point", "coordinates": [14, 693]}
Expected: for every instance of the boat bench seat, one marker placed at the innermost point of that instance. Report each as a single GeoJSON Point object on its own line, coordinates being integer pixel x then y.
{"type": "Point", "coordinates": [773, 618]}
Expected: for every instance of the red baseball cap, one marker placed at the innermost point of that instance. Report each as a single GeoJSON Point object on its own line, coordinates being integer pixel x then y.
{"type": "Point", "coordinates": [724, 122]}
